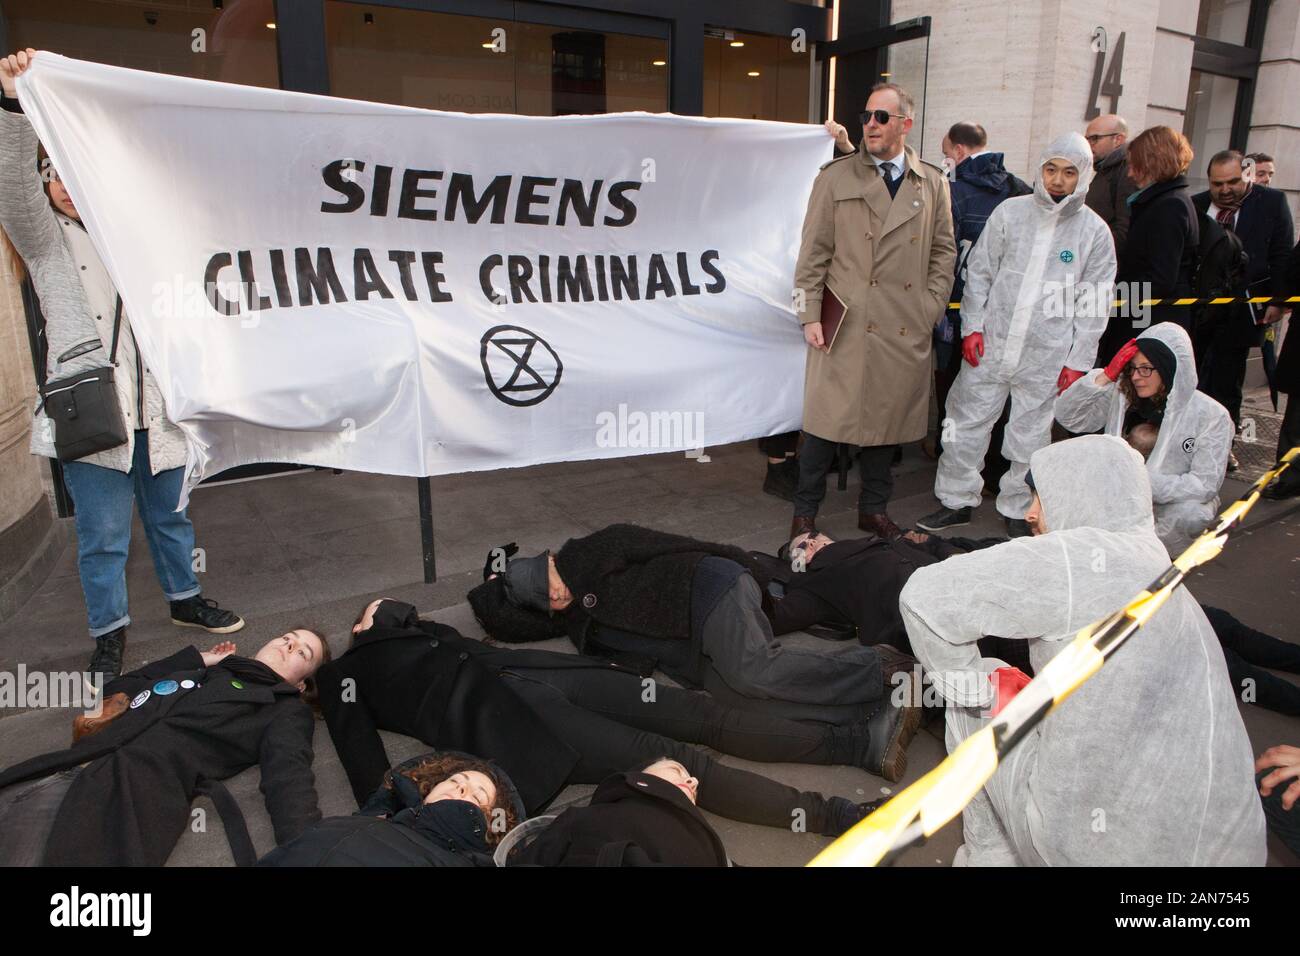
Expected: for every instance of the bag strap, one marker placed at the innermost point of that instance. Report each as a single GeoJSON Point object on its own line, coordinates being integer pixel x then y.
{"type": "Point", "coordinates": [232, 819]}
{"type": "Point", "coordinates": [117, 328]}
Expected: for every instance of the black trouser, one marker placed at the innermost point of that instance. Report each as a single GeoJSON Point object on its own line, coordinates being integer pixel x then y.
{"type": "Point", "coordinates": [1248, 652]}
{"type": "Point", "coordinates": [1223, 372]}
{"type": "Point", "coordinates": [1289, 437]}
{"type": "Point", "coordinates": [602, 715]}
{"type": "Point", "coordinates": [816, 459]}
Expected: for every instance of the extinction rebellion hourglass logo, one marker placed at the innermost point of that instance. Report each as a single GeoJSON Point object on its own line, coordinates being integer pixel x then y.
{"type": "Point", "coordinates": [520, 367]}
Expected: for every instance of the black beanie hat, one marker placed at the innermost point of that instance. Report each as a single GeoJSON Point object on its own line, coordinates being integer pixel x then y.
{"type": "Point", "coordinates": [1161, 358]}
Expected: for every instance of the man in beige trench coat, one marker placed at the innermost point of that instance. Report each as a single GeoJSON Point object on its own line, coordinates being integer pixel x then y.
{"type": "Point", "coordinates": [884, 244]}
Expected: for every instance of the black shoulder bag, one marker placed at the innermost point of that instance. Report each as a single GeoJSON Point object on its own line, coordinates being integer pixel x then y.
{"type": "Point", "coordinates": [84, 409]}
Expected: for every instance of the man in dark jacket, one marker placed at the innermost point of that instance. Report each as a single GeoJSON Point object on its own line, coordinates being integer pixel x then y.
{"type": "Point", "coordinates": [638, 818]}
{"type": "Point", "coordinates": [121, 796]}
{"type": "Point", "coordinates": [582, 719]}
{"type": "Point", "coordinates": [1261, 218]}
{"type": "Point", "coordinates": [422, 679]}
{"type": "Point", "coordinates": [695, 610]}
{"type": "Point", "coordinates": [978, 184]}
{"type": "Point", "coordinates": [1111, 187]}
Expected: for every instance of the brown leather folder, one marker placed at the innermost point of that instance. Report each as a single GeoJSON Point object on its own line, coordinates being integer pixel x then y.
{"type": "Point", "coordinates": [833, 310]}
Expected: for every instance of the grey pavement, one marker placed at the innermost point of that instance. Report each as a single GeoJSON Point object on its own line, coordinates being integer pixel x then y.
{"type": "Point", "coordinates": [310, 549]}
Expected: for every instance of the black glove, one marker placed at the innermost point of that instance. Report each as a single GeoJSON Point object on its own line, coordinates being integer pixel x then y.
{"type": "Point", "coordinates": [510, 550]}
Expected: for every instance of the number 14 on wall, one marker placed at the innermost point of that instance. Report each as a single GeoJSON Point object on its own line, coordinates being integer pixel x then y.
{"type": "Point", "coordinates": [1109, 83]}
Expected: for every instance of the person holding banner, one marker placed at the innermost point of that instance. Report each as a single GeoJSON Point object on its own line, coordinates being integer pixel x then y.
{"type": "Point", "coordinates": [1146, 764]}
{"type": "Point", "coordinates": [85, 328]}
{"type": "Point", "coordinates": [878, 256]}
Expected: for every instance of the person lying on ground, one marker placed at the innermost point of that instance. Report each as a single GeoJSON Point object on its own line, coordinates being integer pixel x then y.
{"type": "Point", "coordinates": [437, 809]}
{"type": "Point", "coordinates": [589, 717]}
{"type": "Point", "coordinates": [1148, 762]}
{"type": "Point", "coordinates": [121, 796]}
{"type": "Point", "coordinates": [691, 608]}
{"type": "Point", "coordinates": [636, 818]}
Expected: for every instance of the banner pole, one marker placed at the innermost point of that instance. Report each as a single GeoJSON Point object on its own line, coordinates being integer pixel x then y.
{"type": "Point", "coordinates": [426, 530]}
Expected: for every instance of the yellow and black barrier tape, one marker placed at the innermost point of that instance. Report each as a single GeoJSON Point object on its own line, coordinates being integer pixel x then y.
{"type": "Point", "coordinates": [1217, 300]}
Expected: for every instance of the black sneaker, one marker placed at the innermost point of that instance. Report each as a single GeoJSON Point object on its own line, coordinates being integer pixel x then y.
{"type": "Point", "coordinates": [891, 729]}
{"type": "Point", "coordinates": [106, 663]}
{"type": "Point", "coordinates": [782, 479]}
{"type": "Point", "coordinates": [945, 518]}
{"type": "Point", "coordinates": [198, 611]}
{"type": "Point", "coordinates": [1018, 528]}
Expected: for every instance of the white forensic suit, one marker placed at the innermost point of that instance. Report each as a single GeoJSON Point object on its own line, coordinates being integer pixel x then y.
{"type": "Point", "coordinates": [1190, 457]}
{"type": "Point", "coordinates": [1039, 283]}
{"type": "Point", "coordinates": [1148, 762]}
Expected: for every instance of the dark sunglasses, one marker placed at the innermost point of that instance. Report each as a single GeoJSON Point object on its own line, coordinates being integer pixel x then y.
{"type": "Point", "coordinates": [881, 116]}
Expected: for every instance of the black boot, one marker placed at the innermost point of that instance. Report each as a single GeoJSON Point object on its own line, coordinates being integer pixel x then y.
{"type": "Point", "coordinates": [106, 663]}
{"type": "Point", "coordinates": [782, 479]}
{"type": "Point", "coordinates": [891, 729]}
{"type": "Point", "coordinates": [198, 611]}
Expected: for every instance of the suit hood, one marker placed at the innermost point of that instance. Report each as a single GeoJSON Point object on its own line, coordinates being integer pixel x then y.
{"type": "Point", "coordinates": [1073, 148]}
{"type": "Point", "coordinates": [1094, 481]}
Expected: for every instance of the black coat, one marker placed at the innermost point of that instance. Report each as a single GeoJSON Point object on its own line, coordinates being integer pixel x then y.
{"type": "Point", "coordinates": [633, 819]}
{"type": "Point", "coordinates": [427, 681]}
{"type": "Point", "coordinates": [1161, 249]}
{"type": "Point", "coordinates": [1288, 363]}
{"type": "Point", "coordinates": [407, 833]}
{"type": "Point", "coordinates": [635, 579]}
{"type": "Point", "coordinates": [1108, 193]}
{"type": "Point", "coordinates": [857, 582]}
{"type": "Point", "coordinates": [131, 802]}
{"type": "Point", "coordinates": [1267, 232]}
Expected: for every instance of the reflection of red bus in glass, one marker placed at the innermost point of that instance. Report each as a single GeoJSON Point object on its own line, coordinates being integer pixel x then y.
{"type": "Point", "coordinates": [577, 73]}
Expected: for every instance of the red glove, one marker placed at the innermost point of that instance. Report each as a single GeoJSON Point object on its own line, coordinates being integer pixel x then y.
{"type": "Point", "coordinates": [1067, 378]}
{"type": "Point", "coordinates": [1122, 358]}
{"type": "Point", "coordinates": [972, 347]}
{"type": "Point", "coordinates": [1007, 682]}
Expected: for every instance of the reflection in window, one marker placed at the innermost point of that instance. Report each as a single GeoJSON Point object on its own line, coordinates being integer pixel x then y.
{"type": "Point", "coordinates": [906, 62]}
{"type": "Point", "coordinates": [755, 77]}
{"type": "Point", "coordinates": [1223, 20]}
{"type": "Point", "coordinates": [1211, 105]}
{"type": "Point", "coordinates": [235, 44]}
{"type": "Point", "coordinates": [451, 62]}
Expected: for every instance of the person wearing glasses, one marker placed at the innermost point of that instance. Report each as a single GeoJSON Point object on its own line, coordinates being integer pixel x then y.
{"type": "Point", "coordinates": [1107, 136]}
{"type": "Point", "coordinates": [1152, 380]}
{"type": "Point", "coordinates": [878, 235]}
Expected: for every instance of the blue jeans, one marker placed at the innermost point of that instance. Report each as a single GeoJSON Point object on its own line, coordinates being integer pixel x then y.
{"type": "Point", "coordinates": [103, 501]}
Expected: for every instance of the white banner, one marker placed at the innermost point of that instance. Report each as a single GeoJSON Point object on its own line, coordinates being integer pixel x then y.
{"type": "Point", "coordinates": [397, 290]}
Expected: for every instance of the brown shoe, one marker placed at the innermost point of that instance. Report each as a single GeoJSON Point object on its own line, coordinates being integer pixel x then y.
{"type": "Point", "coordinates": [802, 524]}
{"type": "Point", "coordinates": [880, 525]}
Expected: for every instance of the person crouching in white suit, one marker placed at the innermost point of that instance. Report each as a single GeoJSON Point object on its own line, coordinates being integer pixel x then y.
{"type": "Point", "coordinates": [1148, 762]}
